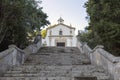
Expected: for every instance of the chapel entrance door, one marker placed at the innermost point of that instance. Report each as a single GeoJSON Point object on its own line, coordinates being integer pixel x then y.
{"type": "Point", "coordinates": [61, 44]}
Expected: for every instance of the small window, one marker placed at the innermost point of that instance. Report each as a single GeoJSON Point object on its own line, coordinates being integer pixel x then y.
{"type": "Point", "coordinates": [50, 32]}
{"type": "Point", "coordinates": [70, 32]}
{"type": "Point", "coordinates": [60, 32]}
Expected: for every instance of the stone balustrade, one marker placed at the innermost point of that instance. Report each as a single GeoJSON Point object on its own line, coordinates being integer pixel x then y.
{"type": "Point", "coordinates": [10, 57]}
{"type": "Point", "coordinates": [102, 58]}
{"type": "Point", "coordinates": [14, 56]}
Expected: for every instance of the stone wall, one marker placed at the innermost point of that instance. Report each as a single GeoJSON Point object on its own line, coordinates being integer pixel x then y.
{"type": "Point", "coordinates": [102, 58]}
{"type": "Point", "coordinates": [14, 56]}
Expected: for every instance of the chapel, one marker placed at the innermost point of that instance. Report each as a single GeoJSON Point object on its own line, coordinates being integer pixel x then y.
{"type": "Point", "coordinates": [60, 35]}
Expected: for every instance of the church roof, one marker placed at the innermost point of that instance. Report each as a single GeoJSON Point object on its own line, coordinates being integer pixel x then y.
{"type": "Point", "coordinates": [60, 24]}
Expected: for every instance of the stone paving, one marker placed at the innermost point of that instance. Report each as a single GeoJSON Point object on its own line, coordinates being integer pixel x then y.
{"type": "Point", "coordinates": [56, 63]}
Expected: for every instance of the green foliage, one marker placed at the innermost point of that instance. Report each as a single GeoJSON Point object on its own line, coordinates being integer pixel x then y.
{"type": "Point", "coordinates": [44, 33]}
{"type": "Point", "coordinates": [87, 36]}
{"type": "Point", "coordinates": [17, 18]}
{"type": "Point", "coordinates": [104, 17]}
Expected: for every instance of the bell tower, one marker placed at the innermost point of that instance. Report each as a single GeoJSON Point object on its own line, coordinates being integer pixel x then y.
{"type": "Point", "coordinates": [60, 21]}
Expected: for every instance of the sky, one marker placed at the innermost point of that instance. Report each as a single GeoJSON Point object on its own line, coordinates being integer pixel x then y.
{"type": "Point", "coordinates": [72, 11]}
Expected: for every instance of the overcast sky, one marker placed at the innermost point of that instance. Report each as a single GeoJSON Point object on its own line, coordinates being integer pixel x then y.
{"type": "Point", "coordinates": [72, 11]}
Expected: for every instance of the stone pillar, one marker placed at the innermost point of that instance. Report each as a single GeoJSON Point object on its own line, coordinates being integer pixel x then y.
{"type": "Point", "coordinates": [82, 46]}
{"type": "Point", "coordinates": [18, 55]}
{"type": "Point", "coordinates": [38, 38]}
{"type": "Point", "coordinates": [14, 54]}
{"type": "Point", "coordinates": [95, 55]}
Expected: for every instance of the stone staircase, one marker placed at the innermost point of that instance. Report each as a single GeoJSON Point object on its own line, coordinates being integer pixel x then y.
{"type": "Point", "coordinates": [56, 63]}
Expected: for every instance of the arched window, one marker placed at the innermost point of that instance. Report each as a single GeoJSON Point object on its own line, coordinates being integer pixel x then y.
{"type": "Point", "coordinates": [60, 32]}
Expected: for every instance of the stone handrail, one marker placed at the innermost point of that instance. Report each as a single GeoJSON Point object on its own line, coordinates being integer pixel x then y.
{"type": "Point", "coordinates": [102, 58]}
{"type": "Point", "coordinates": [109, 62]}
{"type": "Point", "coordinates": [32, 49]}
{"type": "Point", "coordinates": [5, 53]}
{"type": "Point", "coordinates": [109, 56]}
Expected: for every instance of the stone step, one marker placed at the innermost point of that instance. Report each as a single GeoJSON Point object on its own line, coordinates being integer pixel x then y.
{"type": "Point", "coordinates": [52, 71]}
{"type": "Point", "coordinates": [58, 63]}
{"type": "Point", "coordinates": [60, 59]}
{"type": "Point", "coordinates": [59, 49]}
{"type": "Point", "coordinates": [53, 68]}
{"type": "Point", "coordinates": [58, 56]}
{"type": "Point", "coordinates": [50, 63]}
{"type": "Point", "coordinates": [49, 53]}
{"type": "Point", "coordinates": [43, 74]}
{"type": "Point", "coordinates": [37, 69]}
{"type": "Point", "coordinates": [55, 78]}
{"type": "Point", "coordinates": [54, 74]}
{"type": "Point", "coordinates": [36, 78]}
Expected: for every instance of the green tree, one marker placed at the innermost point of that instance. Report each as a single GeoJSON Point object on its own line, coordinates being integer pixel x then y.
{"type": "Point", "coordinates": [104, 17]}
{"type": "Point", "coordinates": [17, 18]}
